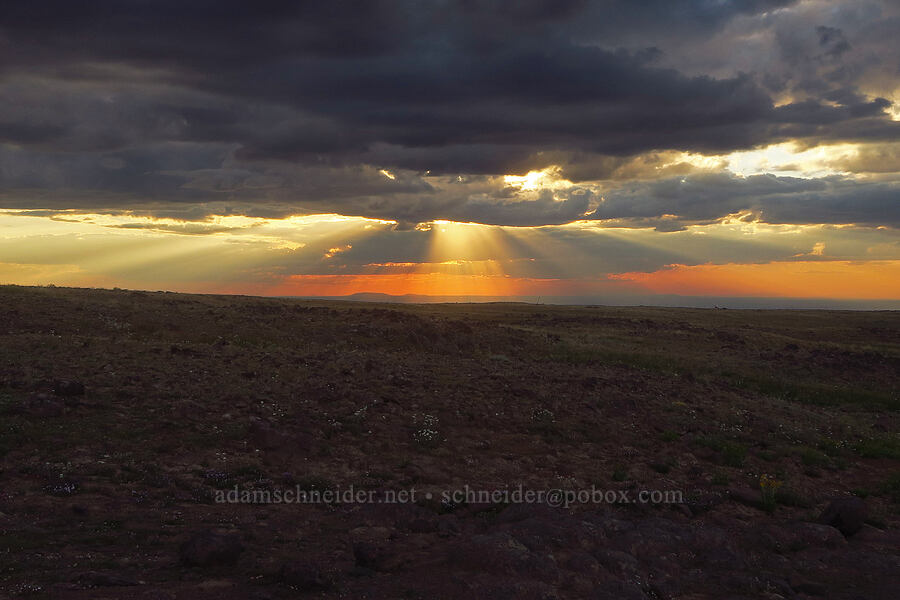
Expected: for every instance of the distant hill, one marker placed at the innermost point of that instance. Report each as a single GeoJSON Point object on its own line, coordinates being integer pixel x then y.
{"type": "Point", "coordinates": [648, 300]}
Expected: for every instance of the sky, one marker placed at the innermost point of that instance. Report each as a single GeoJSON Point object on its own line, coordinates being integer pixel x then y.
{"type": "Point", "coordinates": [476, 148]}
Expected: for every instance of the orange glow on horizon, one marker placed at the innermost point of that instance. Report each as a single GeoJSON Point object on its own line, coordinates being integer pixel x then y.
{"type": "Point", "coordinates": [802, 279]}
{"type": "Point", "coordinates": [431, 284]}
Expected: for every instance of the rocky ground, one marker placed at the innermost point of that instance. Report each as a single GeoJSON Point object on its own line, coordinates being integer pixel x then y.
{"type": "Point", "coordinates": [125, 416]}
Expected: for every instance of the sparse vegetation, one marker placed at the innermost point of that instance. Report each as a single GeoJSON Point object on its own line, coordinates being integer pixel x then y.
{"type": "Point", "coordinates": [768, 487]}
{"type": "Point", "coordinates": [733, 454]}
{"type": "Point", "coordinates": [189, 396]}
{"type": "Point", "coordinates": [891, 487]}
{"type": "Point", "coordinates": [669, 436]}
{"type": "Point", "coordinates": [661, 466]}
{"type": "Point", "coordinates": [811, 457]}
{"type": "Point", "coordinates": [720, 478]}
{"type": "Point", "coordinates": [880, 447]}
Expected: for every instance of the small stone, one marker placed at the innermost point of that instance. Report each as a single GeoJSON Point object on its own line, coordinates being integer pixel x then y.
{"type": "Point", "coordinates": [583, 564]}
{"type": "Point", "coordinates": [209, 548]}
{"type": "Point", "coordinates": [421, 525]}
{"type": "Point", "coordinates": [305, 576]}
{"type": "Point", "coordinates": [620, 564]}
{"type": "Point", "coordinates": [215, 584]}
{"type": "Point", "coordinates": [812, 588]}
{"type": "Point", "coordinates": [747, 497]}
{"type": "Point", "coordinates": [369, 554]}
{"type": "Point", "coordinates": [263, 436]}
{"type": "Point", "coordinates": [448, 525]}
{"type": "Point", "coordinates": [68, 388]}
{"type": "Point", "coordinates": [498, 553]}
{"type": "Point", "coordinates": [99, 579]}
{"type": "Point", "coordinates": [43, 405]}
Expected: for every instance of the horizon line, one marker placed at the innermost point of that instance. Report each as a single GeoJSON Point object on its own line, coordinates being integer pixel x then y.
{"type": "Point", "coordinates": [619, 301]}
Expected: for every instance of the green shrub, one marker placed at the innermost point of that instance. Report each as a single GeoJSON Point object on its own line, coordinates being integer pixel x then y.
{"type": "Point", "coordinates": [669, 436]}
{"type": "Point", "coordinates": [734, 454]}
{"type": "Point", "coordinates": [880, 447]}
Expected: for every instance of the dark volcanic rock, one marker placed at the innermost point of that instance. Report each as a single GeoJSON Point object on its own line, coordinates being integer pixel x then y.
{"type": "Point", "coordinates": [811, 588]}
{"type": "Point", "coordinates": [420, 525]}
{"type": "Point", "coordinates": [448, 525]}
{"type": "Point", "coordinates": [43, 405]}
{"type": "Point", "coordinates": [208, 548]}
{"type": "Point", "coordinates": [377, 555]}
{"type": "Point", "coordinates": [846, 514]}
{"type": "Point", "coordinates": [305, 576]}
{"type": "Point", "coordinates": [618, 563]}
{"type": "Point", "coordinates": [68, 388]}
{"type": "Point", "coordinates": [502, 554]}
{"type": "Point", "coordinates": [582, 563]}
{"type": "Point", "coordinates": [101, 579]}
{"type": "Point", "coordinates": [793, 537]}
{"type": "Point", "coordinates": [747, 497]}
{"type": "Point", "coordinates": [520, 512]}
{"type": "Point", "coordinates": [612, 588]}
{"type": "Point", "coordinates": [267, 436]}
{"type": "Point", "coordinates": [263, 436]}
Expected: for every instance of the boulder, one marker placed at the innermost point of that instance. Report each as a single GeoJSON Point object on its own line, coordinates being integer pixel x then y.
{"type": "Point", "coordinates": [847, 515]}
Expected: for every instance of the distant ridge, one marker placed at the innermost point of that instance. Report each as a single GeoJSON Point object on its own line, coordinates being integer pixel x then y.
{"type": "Point", "coordinates": [649, 300]}
{"type": "Point", "coordinates": [423, 298]}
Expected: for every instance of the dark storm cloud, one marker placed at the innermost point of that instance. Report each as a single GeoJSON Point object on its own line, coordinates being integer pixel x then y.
{"type": "Point", "coordinates": [771, 199]}
{"type": "Point", "coordinates": [299, 105]}
{"type": "Point", "coordinates": [234, 34]}
{"type": "Point", "coordinates": [832, 40]}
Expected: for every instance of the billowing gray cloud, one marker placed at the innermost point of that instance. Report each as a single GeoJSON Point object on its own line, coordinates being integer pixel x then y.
{"type": "Point", "coordinates": [770, 199]}
{"type": "Point", "coordinates": [283, 108]}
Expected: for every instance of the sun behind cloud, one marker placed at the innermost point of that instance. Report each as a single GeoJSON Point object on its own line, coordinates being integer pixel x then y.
{"type": "Point", "coordinates": [548, 177]}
